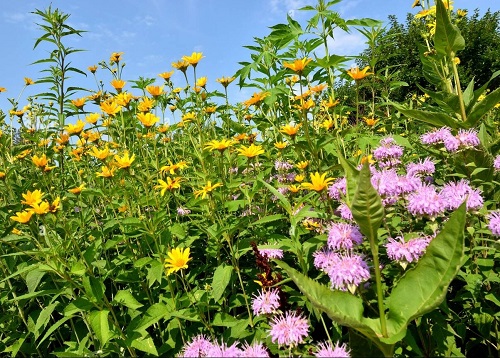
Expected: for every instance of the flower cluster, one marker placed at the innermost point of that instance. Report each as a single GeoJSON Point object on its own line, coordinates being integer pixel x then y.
{"type": "Point", "coordinates": [201, 346]}
{"type": "Point", "coordinates": [464, 139]}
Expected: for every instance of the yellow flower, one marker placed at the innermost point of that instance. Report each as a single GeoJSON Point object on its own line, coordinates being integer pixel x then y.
{"type": "Point", "coordinates": [294, 188]}
{"type": "Point", "coordinates": [280, 145]}
{"type": "Point", "coordinates": [41, 161]}
{"type": "Point", "coordinates": [370, 122]}
{"type": "Point", "coordinates": [123, 99]}
{"type": "Point", "coordinates": [115, 57]}
{"type": "Point", "coordinates": [298, 65]}
{"type": "Point", "coordinates": [318, 182]}
{"type": "Point", "coordinates": [225, 81]}
{"type": "Point", "coordinates": [100, 153]}
{"type": "Point", "coordinates": [173, 167]}
{"type": "Point", "coordinates": [79, 102]}
{"type": "Point", "coordinates": [415, 3]}
{"type": "Point", "coordinates": [3, 89]}
{"type": "Point", "coordinates": [181, 65]}
{"type": "Point", "coordinates": [22, 216]}
{"type": "Point", "coordinates": [328, 124]}
{"type": "Point", "coordinates": [201, 82]}
{"type": "Point", "coordinates": [177, 260]}
{"type": "Point", "coordinates": [75, 128]}
{"type": "Point", "coordinates": [111, 108]}
{"type": "Point", "coordinates": [77, 190]}
{"type": "Point", "coordinates": [106, 172]}
{"type": "Point", "coordinates": [357, 75]}
{"type": "Point", "coordinates": [193, 59]}
{"type": "Point", "coordinates": [251, 151]}
{"type": "Point", "coordinates": [124, 161]}
{"type": "Point", "coordinates": [367, 159]}
{"type": "Point", "coordinates": [16, 231]}
{"type": "Point", "coordinates": [163, 128]}
{"type": "Point", "coordinates": [220, 145]}
{"type": "Point", "coordinates": [147, 119]}
{"type": "Point", "coordinates": [118, 84]}
{"type": "Point", "coordinates": [318, 88]}
{"type": "Point", "coordinates": [43, 142]}
{"type": "Point", "coordinates": [155, 91]}
{"type": "Point", "coordinates": [33, 197]}
{"type": "Point", "coordinates": [302, 165]}
{"type": "Point", "coordinates": [2, 175]}
{"type": "Point", "coordinates": [331, 103]}
{"type": "Point", "coordinates": [28, 81]}
{"type": "Point", "coordinates": [461, 13]}
{"type": "Point", "coordinates": [208, 188]}
{"type": "Point", "coordinates": [24, 153]}
{"type": "Point", "coordinates": [299, 178]}
{"type": "Point", "coordinates": [256, 99]}
{"type": "Point", "coordinates": [56, 204]}
{"type": "Point", "coordinates": [291, 129]}
{"type": "Point", "coordinates": [166, 75]}
{"type": "Point", "coordinates": [92, 136]}
{"type": "Point", "coordinates": [92, 69]}
{"type": "Point", "coordinates": [146, 104]}
{"type": "Point", "coordinates": [305, 105]}
{"type": "Point", "coordinates": [188, 117]}
{"type": "Point", "coordinates": [210, 109]}
{"type": "Point", "coordinates": [40, 208]}
{"type": "Point", "coordinates": [170, 184]}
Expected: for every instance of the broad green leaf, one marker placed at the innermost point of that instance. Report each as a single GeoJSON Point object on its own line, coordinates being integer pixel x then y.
{"type": "Point", "coordinates": [44, 318]}
{"type": "Point", "coordinates": [100, 325]}
{"type": "Point", "coordinates": [53, 328]}
{"type": "Point", "coordinates": [424, 287]}
{"type": "Point", "coordinates": [145, 344]}
{"type": "Point", "coordinates": [154, 313]}
{"type": "Point", "coordinates": [447, 38]}
{"type": "Point", "coordinates": [481, 108]}
{"type": "Point", "coordinates": [366, 206]}
{"type": "Point", "coordinates": [351, 174]}
{"type": "Point", "coordinates": [342, 307]}
{"type": "Point", "coordinates": [94, 288]}
{"type": "Point", "coordinates": [33, 278]}
{"type": "Point", "coordinates": [79, 305]}
{"type": "Point", "coordinates": [222, 277]}
{"type": "Point", "coordinates": [127, 299]}
{"type": "Point", "coordinates": [436, 119]}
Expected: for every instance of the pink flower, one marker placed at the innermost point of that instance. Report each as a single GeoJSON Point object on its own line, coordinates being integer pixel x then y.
{"type": "Point", "coordinates": [343, 236]}
{"type": "Point", "coordinates": [254, 350]}
{"type": "Point", "coordinates": [325, 349]}
{"type": "Point", "coordinates": [400, 250]}
{"type": "Point", "coordinates": [289, 329]}
{"type": "Point", "coordinates": [198, 347]}
{"type": "Point", "coordinates": [267, 302]}
{"type": "Point", "coordinates": [494, 225]}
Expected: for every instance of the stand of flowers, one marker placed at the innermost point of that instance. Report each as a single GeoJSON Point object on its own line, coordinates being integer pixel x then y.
{"type": "Point", "coordinates": [298, 222]}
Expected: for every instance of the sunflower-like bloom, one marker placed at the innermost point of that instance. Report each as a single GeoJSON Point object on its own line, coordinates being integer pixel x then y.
{"type": "Point", "coordinates": [177, 260]}
{"type": "Point", "coordinates": [302, 165]}
{"type": "Point", "coordinates": [33, 197]}
{"type": "Point", "coordinates": [75, 128]}
{"type": "Point", "coordinates": [318, 182]}
{"type": "Point", "coordinates": [188, 117]}
{"type": "Point", "coordinates": [100, 153]}
{"type": "Point", "coordinates": [147, 119]}
{"type": "Point", "coordinates": [219, 145]}
{"type": "Point", "coordinates": [166, 75]}
{"type": "Point", "coordinates": [357, 74]}
{"type": "Point", "coordinates": [118, 84]}
{"type": "Point", "coordinates": [251, 151]}
{"type": "Point", "coordinates": [124, 161]}
{"type": "Point", "coordinates": [106, 172]}
{"type": "Point", "coordinates": [146, 104]}
{"type": "Point", "coordinates": [290, 129]}
{"type": "Point", "coordinates": [77, 190]}
{"type": "Point", "coordinates": [173, 167]}
{"type": "Point", "coordinates": [41, 161]}
{"type": "Point", "coordinates": [28, 81]}
{"type": "Point", "coordinates": [280, 145]}
{"type": "Point", "coordinates": [170, 184]}
{"type": "Point", "coordinates": [208, 188]}
{"type": "Point", "coordinates": [256, 99]}
{"type": "Point", "coordinates": [193, 59]}
{"type": "Point", "coordinates": [22, 216]}
{"type": "Point", "coordinates": [297, 66]}
{"type": "Point", "coordinates": [115, 57]}
{"type": "Point", "coordinates": [181, 65]}
{"type": "Point", "coordinates": [40, 208]}
{"type": "Point", "coordinates": [225, 81]}
{"type": "Point", "coordinates": [124, 98]}
{"type": "Point", "coordinates": [111, 108]}
{"type": "Point", "coordinates": [155, 91]}
{"type": "Point", "coordinates": [79, 102]}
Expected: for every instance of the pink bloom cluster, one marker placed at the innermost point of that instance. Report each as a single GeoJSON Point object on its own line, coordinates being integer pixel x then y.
{"type": "Point", "coordinates": [400, 250]}
{"type": "Point", "coordinates": [463, 139]}
{"type": "Point", "coordinates": [201, 346]}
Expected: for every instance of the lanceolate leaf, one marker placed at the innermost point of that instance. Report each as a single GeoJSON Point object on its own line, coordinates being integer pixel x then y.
{"type": "Point", "coordinates": [341, 307]}
{"type": "Point", "coordinates": [434, 118]}
{"type": "Point", "coordinates": [448, 38]}
{"type": "Point", "coordinates": [481, 108]}
{"type": "Point", "coordinates": [366, 206]}
{"type": "Point", "coordinates": [424, 287]}
{"type": "Point", "coordinates": [351, 175]}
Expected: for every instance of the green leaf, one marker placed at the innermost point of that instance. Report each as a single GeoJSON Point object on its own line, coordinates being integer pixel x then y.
{"type": "Point", "coordinates": [222, 277]}
{"type": "Point", "coordinates": [447, 39]}
{"type": "Point", "coordinates": [268, 219]}
{"type": "Point", "coordinates": [424, 287]}
{"type": "Point", "coordinates": [436, 119]}
{"type": "Point", "coordinates": [33, 278]}
{"type": "Point", "coordinates": [367, 208]}
{"type": "Point", "coordinates": [126, 298]}
{"type": "Point", "coordinates": [351, 174]}
{"type": "Point", "coordinates": [145, 344]}
{"type": "Point", "coordinates": [53, 328]}
{"type": "Point", "coordinates": [153, 315]}
{"type": "Point", "coordinates": [342, 307]}
{"type": "Point", "coordinates": [283, 200]}
{"type": "Point", "coordinates": [100, 325]}
{"type": "Point", "coordinates": [94, 288]}
{"type": "Point", "coordinates": [481, 108]}
{"type": "Point", "coordinates": [44, 318]}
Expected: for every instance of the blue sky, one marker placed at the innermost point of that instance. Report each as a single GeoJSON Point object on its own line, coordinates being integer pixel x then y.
{"type": "Point", "coordinates": [154, 33]}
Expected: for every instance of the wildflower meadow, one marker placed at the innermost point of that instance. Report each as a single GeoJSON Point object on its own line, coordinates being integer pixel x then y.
{"type": "Point", "coordinates": [322, 216]}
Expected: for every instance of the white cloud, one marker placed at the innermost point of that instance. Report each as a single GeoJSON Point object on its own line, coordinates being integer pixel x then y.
{"type": "Point", "coordinates": [346, 44]}
{"type": "Point", "coordinates": [288, 6]}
